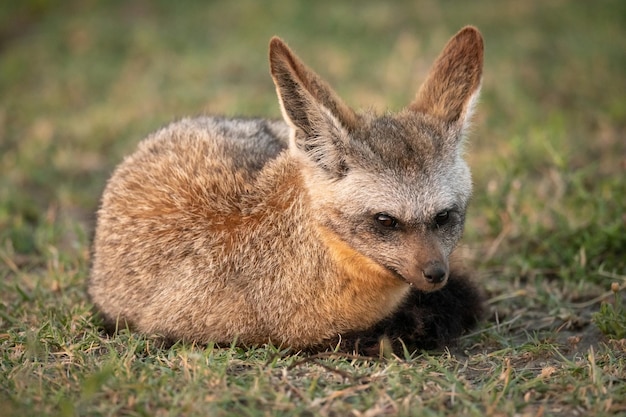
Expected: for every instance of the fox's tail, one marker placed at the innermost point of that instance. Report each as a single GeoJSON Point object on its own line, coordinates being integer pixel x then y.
{"type": "Point", "coordinates": [424, 320]}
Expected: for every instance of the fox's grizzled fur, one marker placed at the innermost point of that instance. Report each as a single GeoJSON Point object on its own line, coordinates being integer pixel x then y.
{"type": "Point", "coordinates": [332, 224]}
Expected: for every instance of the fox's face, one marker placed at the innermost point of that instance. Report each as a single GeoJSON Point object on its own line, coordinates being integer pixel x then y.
{"type": "Point", "coordinates": [402, 206]}
{"type": "Point", "coordinates": [395, 188]}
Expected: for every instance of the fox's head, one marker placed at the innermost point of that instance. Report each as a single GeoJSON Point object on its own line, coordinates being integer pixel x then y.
{"type": "Point", "coordinates": [394, 187]}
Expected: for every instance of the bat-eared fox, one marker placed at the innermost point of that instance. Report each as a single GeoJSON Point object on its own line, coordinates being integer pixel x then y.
{"type": "Point", "coordinates": [331, 229]}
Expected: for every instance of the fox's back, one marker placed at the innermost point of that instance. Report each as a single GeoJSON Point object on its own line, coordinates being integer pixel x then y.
{"type": "Point", "coordinates": [195, 167]}
{"type": "Point", "coordinates": [171, 211]}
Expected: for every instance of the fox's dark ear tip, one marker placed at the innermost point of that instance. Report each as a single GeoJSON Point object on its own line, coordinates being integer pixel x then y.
{"type": "Point", "coordinates": [469, 28]}
{"type": "Point", "coordinates": [277, 43]}
{"type": "Point", "coordinates": [470, 33]}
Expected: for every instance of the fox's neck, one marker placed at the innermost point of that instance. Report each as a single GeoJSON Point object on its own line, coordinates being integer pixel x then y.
{"type": "Point", "coordinates": [365, 289]}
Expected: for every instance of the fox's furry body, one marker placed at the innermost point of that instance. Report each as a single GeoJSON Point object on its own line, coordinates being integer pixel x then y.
{"type": "Point", "coordinates": [293, 233]}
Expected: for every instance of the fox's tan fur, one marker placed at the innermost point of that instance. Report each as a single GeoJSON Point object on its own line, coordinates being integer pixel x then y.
{"type": "Point", "coordinates": [217, 230]}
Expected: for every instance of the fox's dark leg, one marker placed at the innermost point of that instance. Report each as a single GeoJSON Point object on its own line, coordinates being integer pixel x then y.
{"type": "Point", "coordinates": [424, 320]}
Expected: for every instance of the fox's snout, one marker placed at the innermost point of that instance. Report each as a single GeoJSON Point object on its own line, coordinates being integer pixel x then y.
{"type": "Point", "coordinates": [424, 263]}
{"type": "Point", "coordinates": [426, 277]}
{"type": "Point", "coordinates": [436, 273]}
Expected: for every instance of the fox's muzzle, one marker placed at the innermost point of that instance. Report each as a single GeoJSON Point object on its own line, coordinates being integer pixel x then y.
{"type": "Point", "coordinates": [435, 273]}
{"type": "Point", "coordinates": [431, 277]}
{"type": "Point", "coordinates": [426, 264]}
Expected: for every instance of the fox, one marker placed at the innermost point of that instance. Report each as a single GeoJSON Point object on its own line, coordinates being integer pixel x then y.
{"type": "Point", "coordinates": [329, 228]}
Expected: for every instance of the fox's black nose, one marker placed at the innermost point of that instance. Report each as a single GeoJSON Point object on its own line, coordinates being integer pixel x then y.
{"type": "Point", "coordinates": [435, 273]}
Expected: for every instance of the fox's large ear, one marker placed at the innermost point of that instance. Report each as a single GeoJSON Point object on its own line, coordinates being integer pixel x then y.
{"type": "Point", "coordinates": [319, 118]}
{"type": "Point", "coordinates": [452, 86]}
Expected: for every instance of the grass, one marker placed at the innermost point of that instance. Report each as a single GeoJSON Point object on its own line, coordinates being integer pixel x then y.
{"type": "Point", "coordinates": [81, 84]}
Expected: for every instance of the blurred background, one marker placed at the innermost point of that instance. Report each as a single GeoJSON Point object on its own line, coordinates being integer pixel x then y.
{"type": "Point", "coordinates": [83, 81]}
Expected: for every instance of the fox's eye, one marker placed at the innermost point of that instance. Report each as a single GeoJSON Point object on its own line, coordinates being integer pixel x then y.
{"type": "Point", "coordinates": [386, 221]}
{"type": "Point", "coordinates": [442, 217]}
